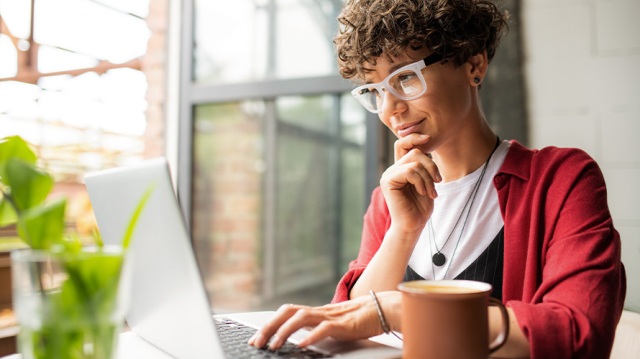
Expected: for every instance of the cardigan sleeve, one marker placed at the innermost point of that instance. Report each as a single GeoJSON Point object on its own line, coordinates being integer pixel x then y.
{"type": "Point", "coordinates": [376, 223]}
{"type": "Point", "coordinates": [574, 284]}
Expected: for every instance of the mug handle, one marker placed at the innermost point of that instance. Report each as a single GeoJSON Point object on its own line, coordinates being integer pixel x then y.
{"type": "Point", "coordinates": [504, 333]}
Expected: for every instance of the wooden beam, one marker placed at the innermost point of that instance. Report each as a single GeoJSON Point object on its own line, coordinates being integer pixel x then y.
{"type": "Point", "coordinates": [104, 66]}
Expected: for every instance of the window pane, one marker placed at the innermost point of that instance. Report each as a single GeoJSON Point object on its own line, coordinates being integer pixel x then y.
{"type": "Point", "coordinates": [51, 59]}
{"type": "Point", "coordinates": [312, 113]}
{"type": "Point", "coordinates": [353, 199]}
{"type": "Point", "coordinates": [277, 201]}
{"type": "Point", "coordinates": [9, 58]}
{"type": "Point", "coordinates": [353, 116]}
{"type": "Point", "coordinates": [245, 40]}
{"type": "Point", "coordinates": [106, 33]}
{"type": "Point", "coordinates": [15, 14]}
{"type": "Point", "coordinates": [352, 204]}
{"type": "Point", "coordinates": [228, 167]}
{"type": "Point", "coordinates": [305, 235]}
{"type": "Point", "coordinates": [85, 118]}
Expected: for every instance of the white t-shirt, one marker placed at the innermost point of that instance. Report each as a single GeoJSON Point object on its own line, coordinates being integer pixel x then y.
{"type": "Point", "coordinates": [482, 226]}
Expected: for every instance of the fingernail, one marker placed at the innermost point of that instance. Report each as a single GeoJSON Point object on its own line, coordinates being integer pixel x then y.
{"type": "Point", "coordinates": [258, 340]}
{"type": "Point", "coordinates": [252, 339]}
{"type": "Point", "coordinates": [276, 343]}
{"type": "Point", "coordinates": [438, 178]}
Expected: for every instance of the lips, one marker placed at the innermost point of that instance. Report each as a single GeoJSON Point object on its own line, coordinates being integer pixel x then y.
{"type": "Point", "coordinates": [409, 128]}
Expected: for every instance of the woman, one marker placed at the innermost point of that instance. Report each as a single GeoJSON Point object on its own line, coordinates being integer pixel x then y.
{"type": "Point", "coordinates": [459, 203]}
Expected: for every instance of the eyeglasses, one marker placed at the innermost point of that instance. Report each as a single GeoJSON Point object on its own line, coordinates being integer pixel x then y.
{"type": "Point", "coordinates": [406, 83]}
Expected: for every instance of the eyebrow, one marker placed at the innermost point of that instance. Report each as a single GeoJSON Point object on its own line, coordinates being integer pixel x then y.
{"type": "Point", "coordinates": [391, 70]}
{"type": "Point", "coordinates": [429, 60]}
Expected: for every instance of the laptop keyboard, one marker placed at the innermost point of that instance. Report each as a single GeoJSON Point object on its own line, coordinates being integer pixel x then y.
{"type": "Point", "coordinates": [234, 337]}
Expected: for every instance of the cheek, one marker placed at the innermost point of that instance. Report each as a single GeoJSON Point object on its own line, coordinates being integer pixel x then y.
{"type": "Point", "coordinates": [451, 97]}
{"type": "Point", "coordinates": [386, 121]}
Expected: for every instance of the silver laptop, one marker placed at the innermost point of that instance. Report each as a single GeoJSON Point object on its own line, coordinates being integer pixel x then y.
{"type": "Point", "coordinates": [169, 307]}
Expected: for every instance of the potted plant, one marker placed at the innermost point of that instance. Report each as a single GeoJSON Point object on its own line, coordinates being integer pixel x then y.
{"type": "Point", "coordinates": [69, 296]}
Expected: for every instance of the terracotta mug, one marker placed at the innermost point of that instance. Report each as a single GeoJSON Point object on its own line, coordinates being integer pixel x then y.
{"type": "Point", "coordinates": [449, 319]}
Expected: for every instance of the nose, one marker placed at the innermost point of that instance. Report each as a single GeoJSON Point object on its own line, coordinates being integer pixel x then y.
{"type": "Point", "coordinates": [391, 105]}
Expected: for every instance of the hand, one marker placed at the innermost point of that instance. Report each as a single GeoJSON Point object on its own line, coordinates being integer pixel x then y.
{"type": "Point", "coordinates": [408, 185]}
{"type": "Point", "coordinates": [350, 320]}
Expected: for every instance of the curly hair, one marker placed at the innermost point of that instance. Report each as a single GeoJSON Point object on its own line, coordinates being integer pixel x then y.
{"type": "Point", "coordinates": [455, 29]}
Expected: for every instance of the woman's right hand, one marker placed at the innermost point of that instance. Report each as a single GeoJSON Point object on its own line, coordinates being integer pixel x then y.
{"type": "Point", "coordinates": [349, 320]}
{"type": "Point", "coordinates": [409, 191]}
{"type": "Point", "coordinates": [408, 184]}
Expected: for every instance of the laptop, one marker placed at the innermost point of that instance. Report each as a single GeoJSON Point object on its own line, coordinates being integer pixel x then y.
{"type": "Point", "coordinates": [169, 307]}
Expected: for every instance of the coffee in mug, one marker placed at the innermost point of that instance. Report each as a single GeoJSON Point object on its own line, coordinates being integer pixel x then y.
{"type": "Point", "coordinates": [448, 319]}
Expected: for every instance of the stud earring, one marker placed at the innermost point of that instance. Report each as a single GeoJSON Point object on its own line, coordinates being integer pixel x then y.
{"type": "Point", "coordinates": [476, 80]}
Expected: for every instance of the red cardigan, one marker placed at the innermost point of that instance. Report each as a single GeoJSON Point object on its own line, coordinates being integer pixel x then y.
{"type": "Point", "coordinates": [563, 276]}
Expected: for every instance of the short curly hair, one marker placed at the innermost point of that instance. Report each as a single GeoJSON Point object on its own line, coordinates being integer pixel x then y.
{"type": "Point", "coordinates": [455, 29]}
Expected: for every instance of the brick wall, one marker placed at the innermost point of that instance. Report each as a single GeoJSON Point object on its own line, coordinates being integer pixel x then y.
{"type": "Point", "coordinates": [227, 202]}
{"type": "Point", "coordinates": [154, 64]}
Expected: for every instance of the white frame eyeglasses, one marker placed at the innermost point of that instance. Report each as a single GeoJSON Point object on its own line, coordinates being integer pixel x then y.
{"type": "Point", "coordinates": [363, 93]}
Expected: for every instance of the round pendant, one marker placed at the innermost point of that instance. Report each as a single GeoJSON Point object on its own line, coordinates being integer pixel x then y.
{"type": "Point", "coordinates": [439, 259]}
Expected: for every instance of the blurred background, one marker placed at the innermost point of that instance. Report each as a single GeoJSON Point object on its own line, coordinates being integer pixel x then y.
{"type": "Point", "coordinates": [273, 160]}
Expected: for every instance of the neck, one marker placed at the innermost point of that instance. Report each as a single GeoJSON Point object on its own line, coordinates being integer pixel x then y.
{"type": "Point", "coordinates": [458, 157]}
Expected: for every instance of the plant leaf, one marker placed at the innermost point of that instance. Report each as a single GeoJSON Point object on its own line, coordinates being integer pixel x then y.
{"type": "Point", "coordinates": [43, 226]}
{"type": "Point", "coordinates": [136, 214]}
{"type": "Point", "coordinates": [14, 147]}
{"type": "Point", "coordinates": [7, 214]}
{"type": "Point", "coordinates": [29, 185]}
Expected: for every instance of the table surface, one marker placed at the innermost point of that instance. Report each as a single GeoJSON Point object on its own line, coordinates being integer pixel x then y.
{"type": "Point", "coordinates": [130, 346]}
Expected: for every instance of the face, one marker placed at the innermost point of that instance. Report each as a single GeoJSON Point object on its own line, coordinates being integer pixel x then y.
{"type": "Point", "coordinates": [441, 112]}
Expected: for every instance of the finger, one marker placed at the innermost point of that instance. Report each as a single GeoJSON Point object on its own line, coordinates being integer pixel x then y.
{"type": "Point", "coordinates": [414, 173]}
{"type": "Point", "coordinates": [303, 318]}
{"type": "Point", "coordinates": [262, 336]}
{"type": "Point", "coordinates": [356, 320]}
{"type": "Point", "coordinates": [415, 155]}
{"type": "Point", "coordinates": [418, 176]}
{"type": "Point", "coordinates": [323, 330]}
{"type": "Point", "coordinates": [423, 181]}
{"type": "Point", "coordinates": [403, 145]}
{"type": "Point", "coordinates": [427, 163]}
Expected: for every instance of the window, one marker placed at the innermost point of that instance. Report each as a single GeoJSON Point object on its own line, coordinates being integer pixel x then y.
{"type": "Point", "coordinates": [72, 84]}
{"type": "Point", "coordinates": [277, 149]}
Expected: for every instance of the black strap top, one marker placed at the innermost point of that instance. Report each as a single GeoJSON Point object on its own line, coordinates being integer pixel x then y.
{"type": "Point", "coordinates": [486, 268]}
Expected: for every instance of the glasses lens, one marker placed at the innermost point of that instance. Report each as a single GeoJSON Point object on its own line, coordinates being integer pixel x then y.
{"type": "Point", "coordinates": [369, 98]}
{"type": "Point", "coordinates": [407, 84]}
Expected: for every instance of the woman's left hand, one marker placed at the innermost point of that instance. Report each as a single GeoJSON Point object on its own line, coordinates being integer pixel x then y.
{"type": "Point", "coordinates": [350, 320]}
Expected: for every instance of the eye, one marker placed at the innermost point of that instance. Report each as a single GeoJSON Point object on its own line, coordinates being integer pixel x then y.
{"type": "Point", "coordinates": [407, 76]}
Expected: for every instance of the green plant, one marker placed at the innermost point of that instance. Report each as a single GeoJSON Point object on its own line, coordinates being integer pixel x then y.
{"type": "Point", "coordinates": [77, 321]}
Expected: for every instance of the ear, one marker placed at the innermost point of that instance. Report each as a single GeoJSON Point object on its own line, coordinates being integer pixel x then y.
{"type": "Point", "coordinates": [477, 68]}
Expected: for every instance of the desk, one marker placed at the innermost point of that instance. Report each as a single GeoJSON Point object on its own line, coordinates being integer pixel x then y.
{"type": "Point", "coordinates": [130, 346]}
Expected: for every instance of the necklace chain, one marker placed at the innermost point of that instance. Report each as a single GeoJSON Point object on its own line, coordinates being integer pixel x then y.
{"type": "Point", "coordinates": [438, 256]}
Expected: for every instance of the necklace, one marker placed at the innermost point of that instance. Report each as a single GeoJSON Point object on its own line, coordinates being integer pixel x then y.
{"type": "Point", "coordinates": [439, 258]}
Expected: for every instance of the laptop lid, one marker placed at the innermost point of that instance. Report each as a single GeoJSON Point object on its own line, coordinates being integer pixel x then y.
{"type": "Point", "coordinates": [169, 307]}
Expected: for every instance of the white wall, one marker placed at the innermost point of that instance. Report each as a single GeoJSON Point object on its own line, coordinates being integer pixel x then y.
{"type": "Point", "coordinates": [582, 69]}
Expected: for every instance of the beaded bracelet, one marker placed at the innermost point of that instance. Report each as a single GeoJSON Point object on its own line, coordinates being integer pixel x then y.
{"type": "Point", "coordinates": [383, 320]}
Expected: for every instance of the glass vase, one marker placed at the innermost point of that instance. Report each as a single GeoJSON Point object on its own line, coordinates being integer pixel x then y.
{"type": "Point", "coordinates": [69, 305]}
